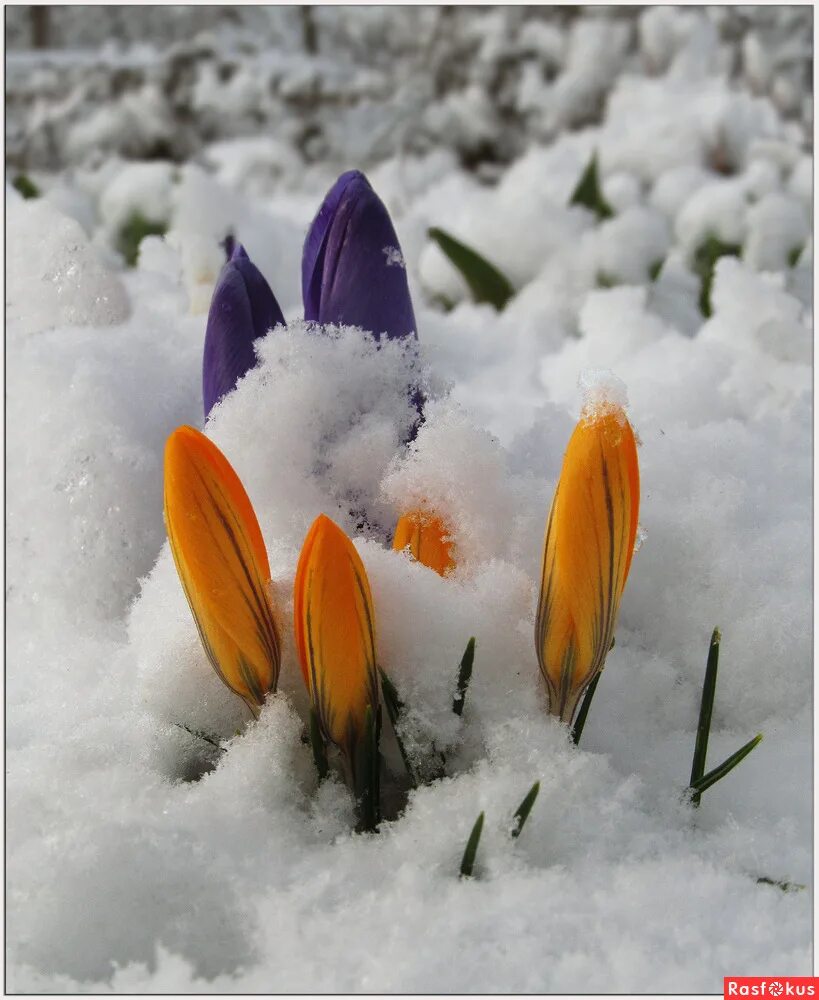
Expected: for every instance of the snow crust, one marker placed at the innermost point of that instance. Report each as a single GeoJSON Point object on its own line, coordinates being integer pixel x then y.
{"type": "Point", "coordinates": [201, 872]}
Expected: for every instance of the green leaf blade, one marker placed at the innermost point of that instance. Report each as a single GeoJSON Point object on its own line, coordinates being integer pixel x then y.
{"type": "Point", "coordinates": [366, 772]}
{"type": "Point", "coordinates": [390, 692]}
{"type": "Point", "coordinates": [523, 810]}
{"type": "Point", "coordinates": [705, 261]}
{"type": "Point", "coordinates": [709, 688]}
{"type": "Point", "coordinates": [719, 772]}
{"type": "Point", "coordinates": [468, 860]}
{"type": "Point", "coordinates": [588, 194]}
{"type": "Point", "coordinates": [394, 707]}
{"type": "Point", "coordinates": [580, 721]}
{"type": "Point", "coordinates": [25, 186]}
{"type": "Point", "coordinates": [485, 281]}
{"type": "Point", "coordinates": [784, 886]}
{"type": "Point", "coordinates": [135, 228]}
{"type": "Point", "coordinates": [198, 734]}
{"type": "Point", "coordinates": [464, 677]}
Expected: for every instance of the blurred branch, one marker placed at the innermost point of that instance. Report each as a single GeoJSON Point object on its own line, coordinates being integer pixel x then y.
{"type": "Point", "coordinates": [308, 29]}
{"type": "Point", "coordinates": [40, 26]}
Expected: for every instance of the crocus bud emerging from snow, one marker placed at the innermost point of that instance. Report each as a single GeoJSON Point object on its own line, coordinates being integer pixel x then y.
{"type": "Point", "coordinates": [242, 309]}
{"type": "Point", "coordinates": [352, 269]}
{"type": "Point", "coordinates": [222, 564]}
{"type": "Point", "coordinates": [427, 540]}
{"type": "Point", "coordinates": [589, 543]}
{"type": "Point", "coordinates": [335, 633]}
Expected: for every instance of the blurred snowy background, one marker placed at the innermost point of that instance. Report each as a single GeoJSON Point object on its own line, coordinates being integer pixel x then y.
{"type": "Point", "coordinates": [136, 138]}
{"type": "Point", "coordinates": [334, 84]}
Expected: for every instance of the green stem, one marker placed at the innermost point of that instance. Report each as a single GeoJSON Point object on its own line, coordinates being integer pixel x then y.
{"type": "Point", "coordinates": [709, 688]}
{"type": "Point", "coordinates": [580, 721]}
{"type": "Point", "coordinates": [468, 860]}
{"type": "Point", "coordinates": [523, 810]}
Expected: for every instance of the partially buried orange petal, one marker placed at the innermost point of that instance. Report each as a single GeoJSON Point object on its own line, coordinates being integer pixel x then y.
{"type": "Point", "coordinates": [222, 563]}
{"type": "Point", "coordinates": [427, 539]}
{"type": "Point", "coordinates": [334, 627]}
{"type": "Point", "coordinates": [589, 543]}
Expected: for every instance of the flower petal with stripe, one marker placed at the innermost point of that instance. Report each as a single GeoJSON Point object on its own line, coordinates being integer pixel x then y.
{"type": "Point", "coordinates": [222, 564]}
{"type": "Point", "coordinates": [589, 543]}
{"type": "Point", "coordinates": [334, 627]}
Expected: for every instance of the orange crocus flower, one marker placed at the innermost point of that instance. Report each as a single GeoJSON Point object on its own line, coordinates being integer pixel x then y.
{"type": "Point", "coordinates": [335, 633]}
{"type": "Point", "coordinates": [222, 563]}
{"type": "Point", "coordinates": [428, 540]}
{"type": "Point", "coordinates": [590, 536]}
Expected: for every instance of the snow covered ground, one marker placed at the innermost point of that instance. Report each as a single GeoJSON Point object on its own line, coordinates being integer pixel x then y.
{"type": "Point", "coordinates": [134, 864]}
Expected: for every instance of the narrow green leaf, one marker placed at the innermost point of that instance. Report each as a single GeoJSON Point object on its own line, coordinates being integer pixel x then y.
{"type": "Point", "coordinates": [202, 736]}
{"type": "Point", "coordinates": [26, 186]}
{"type": "Point", "coordinates": [390, 692]}
{"type": "Point", "coordinates": [655, 269]}
{"type": "Point", "coordinates": [317, 743]}
{"type": "Point", "coordinates": [468, 860]}
{"type": "Point", "coordinates": [485, 281]}
{"type": "Point", "coordinates": [784, 886]}
{"type": "Point", "coordinates": [580, 721]}
{"type": "Point", "coordinates": [394, 707]}
{"type": "Point", "coordinates": [709, 687]}
{"type": "Point", "coordinates": [523, 810]}
{"type": "Point", "coordinates": [588, 193]}
{"type": "Point", "coordinates": [793, 256]}
{"type": "Point", "coordinates": [443, 303]}
{"type": "Point", "coordinates": [464, 677]}
{"type": "Point", "coordinates": [705, 259]}
{"type": "Point", "coordinates": [726, 766]}
{"type": "Point", "coordinates": [135, 228]}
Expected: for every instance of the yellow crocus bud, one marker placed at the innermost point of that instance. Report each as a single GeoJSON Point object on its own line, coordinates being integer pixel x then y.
{"type": "Point", "coordinates": [590, 536]}
{"type": "Point", "coordinates": [335, 633]}
{"type": "Point", "coordinates": [428, 540]}
{"type": "Point", "coordinates": [222, 563]}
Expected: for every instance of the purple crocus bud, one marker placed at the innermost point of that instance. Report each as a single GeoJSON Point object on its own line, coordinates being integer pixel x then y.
{"type": "Point", "coordinates": [352, 269]}
{"type": "Point", "coordinates": [242, 309]}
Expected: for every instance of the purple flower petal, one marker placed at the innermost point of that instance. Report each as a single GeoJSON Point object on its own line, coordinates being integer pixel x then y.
{"type": "Point", "coordinates": [242, 309]}
{"type": "Point", "coordinates": [312, 261]}
{"type": "Point", "coordinates": [352, 269]}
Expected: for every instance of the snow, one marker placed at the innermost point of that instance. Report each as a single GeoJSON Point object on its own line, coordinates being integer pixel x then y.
{"type": "Point", "coordinates": [602, 391]}
{"type": "Point", "coordinates": [69, 284]}
{"type": "Point", "coordinates": [777, 228]}
{"type": "Point", "coordinates": [716, 209]}
{"type": "Point", "coordinates": [199, 871]}
{"type": "Point", "coordinates": [138, 187]}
